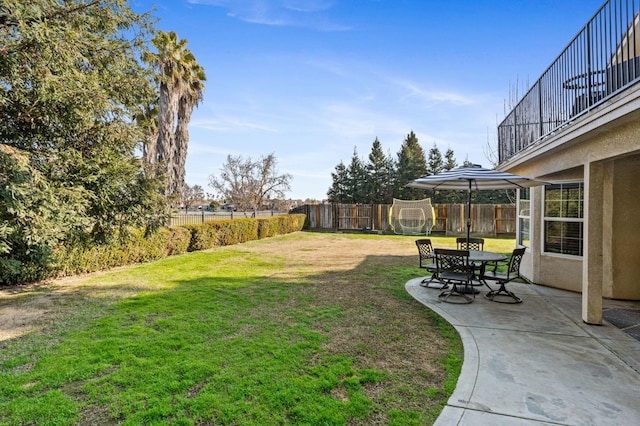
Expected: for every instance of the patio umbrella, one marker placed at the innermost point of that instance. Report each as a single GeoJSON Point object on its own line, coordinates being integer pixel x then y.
{"type": "Point", "coordinates": [473, 177]}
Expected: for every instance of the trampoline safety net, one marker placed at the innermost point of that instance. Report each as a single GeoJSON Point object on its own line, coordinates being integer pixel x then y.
{"type": "Point", "coordinates": [412, 217]}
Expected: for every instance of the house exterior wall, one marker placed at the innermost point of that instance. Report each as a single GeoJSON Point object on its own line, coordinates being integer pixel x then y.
{"type": "Point", "coordinates": [564, 272]}
{"type": "Point", "coordinates": [560, 272]}
{"type": "Point", "coordinates": [624, 268]}
{"type": "Point", "coordinates": [601, 149]}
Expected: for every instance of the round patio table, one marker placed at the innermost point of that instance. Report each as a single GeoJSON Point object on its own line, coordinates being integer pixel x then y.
{"type": "Point", "coordinates": [483, 257]}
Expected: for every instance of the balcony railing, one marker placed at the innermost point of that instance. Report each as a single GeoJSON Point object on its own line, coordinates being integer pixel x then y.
{"type": "Point", "coordinates": [601, 61]}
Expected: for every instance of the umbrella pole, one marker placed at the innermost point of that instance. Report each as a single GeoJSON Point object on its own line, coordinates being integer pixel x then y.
{"type": "Point", "coordinates": [469, 215]}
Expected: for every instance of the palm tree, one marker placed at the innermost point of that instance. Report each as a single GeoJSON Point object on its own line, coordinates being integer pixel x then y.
{"type": "Point", "coordinates": [147, 119]}
{"type": "Point", "coordinates": [193, 86]}
{"type": "Point", "coordinates": [180, 80]}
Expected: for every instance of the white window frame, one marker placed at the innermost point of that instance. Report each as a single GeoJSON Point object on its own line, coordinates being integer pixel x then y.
{"type": "Point", "coordinates": [563, 219]}
{"type": "Point", "coordinates": [524, 214]}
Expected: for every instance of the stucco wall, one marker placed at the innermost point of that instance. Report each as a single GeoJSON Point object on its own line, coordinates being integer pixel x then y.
{"type": "Point", "coordinates": [561, 272]}
{"type": "Point", "coordinates": [552, 270]}
{"type": "Point", "coordinates": [610, 137]}
{"type": "Point", "coordinates": [625, 244]}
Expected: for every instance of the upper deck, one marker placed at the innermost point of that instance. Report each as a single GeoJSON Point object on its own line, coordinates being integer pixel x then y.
{"type": "Point", "coordinates": [601, 62]}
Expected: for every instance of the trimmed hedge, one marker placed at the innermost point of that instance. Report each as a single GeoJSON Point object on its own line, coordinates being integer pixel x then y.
{"type": "Point", "coordinates": [222, 233]}
{"type": "Point", "coordinates": [170, 241]}
{"type": "Point", "coordinates": [227, 232]}
{"type": "Point", "coordinates": [81, 258]}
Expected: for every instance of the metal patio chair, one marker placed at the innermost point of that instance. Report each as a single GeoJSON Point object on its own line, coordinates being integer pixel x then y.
{"type": "Point", "coordinates": [473, 244]}
{"type": "Point", "coordinates": [428, 262]}
{"type": "Point", "coordinates": [453, 268]}
{"type": "Point", "coordinates": [503, 295]}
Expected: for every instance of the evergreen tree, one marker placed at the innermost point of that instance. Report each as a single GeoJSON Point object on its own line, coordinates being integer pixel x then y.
{"type": "Point", "coordinates": [450, 161]}
{"type": "Point", "coordinates": [411, 165]}
{"type": "Point", "coordinates": [449, 196]}
{"type": "Point", "coordinates": [435, 163]}
{"type": "Point", "coordinates": [338, 191]}
{"type": "Point", "coordinates": [495, 196]}
{"type": "Point", "coordinates": [71, 86]}
{"type": "Point", "coordinates": [392, 178]}
{"type": "Point", "coordinates": [357, 187]}
{"type": "Point", "coordinates": [380, 173]}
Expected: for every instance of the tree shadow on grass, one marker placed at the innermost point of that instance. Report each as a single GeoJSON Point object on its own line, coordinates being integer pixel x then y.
{"type": "Point", "coordinates": [339, 346]}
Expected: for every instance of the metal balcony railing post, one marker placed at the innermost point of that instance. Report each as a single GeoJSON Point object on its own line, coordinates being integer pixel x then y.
{"type": "Point", "coordinates": [588, 65]}
{"type": "Point", "coordinates": [597, 64]}
{"type": "Point", "coordinates": [540, 124]}
{"type": "Point", "coordinates": [514, 142]}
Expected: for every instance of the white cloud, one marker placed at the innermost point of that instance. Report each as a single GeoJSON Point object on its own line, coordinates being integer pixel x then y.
{"type": "Point", "coordinates": [433, 96]}
{"type": "Point", "coordinates": [294, 13]}
{"type": "Point", "coordinates": [307, 5]}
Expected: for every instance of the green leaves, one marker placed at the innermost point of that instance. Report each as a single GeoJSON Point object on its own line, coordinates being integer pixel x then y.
{"type": "Point", "coordinates": [70, 85]}
{"type": "Point", "coordinates": [35, 217]}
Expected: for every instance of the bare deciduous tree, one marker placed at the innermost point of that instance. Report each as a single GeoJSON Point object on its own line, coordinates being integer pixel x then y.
{"type": "Point", "coordinates": [248, 183]}
{"type": "Point", "coordinates": [191, 195]}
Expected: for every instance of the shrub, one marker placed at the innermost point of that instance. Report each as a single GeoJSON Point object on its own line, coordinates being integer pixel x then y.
{"type": "Point", "coordinates": [34, 216]}
{"type": "Point", "coordinates": [82, 257]}
{"type": "Point", "coordinates": [178, 240]}
{"type": "Point", "coordinates": [268, 227]}
{"type": "Point", "coordinates": [236, 231]}
{"type": "Point", "coordinates": [294, 223]}
{"type": "Point", "coordinates": [227, 232]}
{"type": "Point", "coordinates": [202, 237]}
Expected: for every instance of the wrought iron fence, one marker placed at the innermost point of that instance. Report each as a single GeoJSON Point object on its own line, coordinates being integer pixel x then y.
{"type": "Point", "coordinates": [202, 217]}
{"type": "Point", "coordinates": [601, 61]}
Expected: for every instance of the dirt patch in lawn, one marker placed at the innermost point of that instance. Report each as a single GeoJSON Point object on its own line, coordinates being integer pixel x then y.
{"type": "Point", "coordinates": [24, 308]}
{"type": "Point", "coordinates": [28, 308]}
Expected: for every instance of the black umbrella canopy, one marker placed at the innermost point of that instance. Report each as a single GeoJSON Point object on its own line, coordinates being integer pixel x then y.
{"type": "Point", "coordinates": [473, 177]}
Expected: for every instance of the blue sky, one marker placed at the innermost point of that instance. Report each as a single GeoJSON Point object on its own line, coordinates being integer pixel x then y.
{"type": "Point", "coordinates": [310, 80]}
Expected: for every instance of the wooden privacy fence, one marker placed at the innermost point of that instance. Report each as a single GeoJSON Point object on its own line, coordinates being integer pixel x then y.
{"type": "Point", "coordinates": [486, 219]}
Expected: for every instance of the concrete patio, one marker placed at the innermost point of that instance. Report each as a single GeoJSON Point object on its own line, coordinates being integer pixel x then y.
{"type": "Point", "coordinates": [537, 363]}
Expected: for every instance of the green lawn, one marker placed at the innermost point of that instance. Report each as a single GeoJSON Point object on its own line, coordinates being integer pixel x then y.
{"type": "Point", "coordinates": [264, 333]}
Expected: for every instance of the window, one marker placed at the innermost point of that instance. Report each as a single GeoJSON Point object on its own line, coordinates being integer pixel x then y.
{"type": "Point", "coordinates": [524, 216]}
{"type": "Point", "coordinates": [563, 218]}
